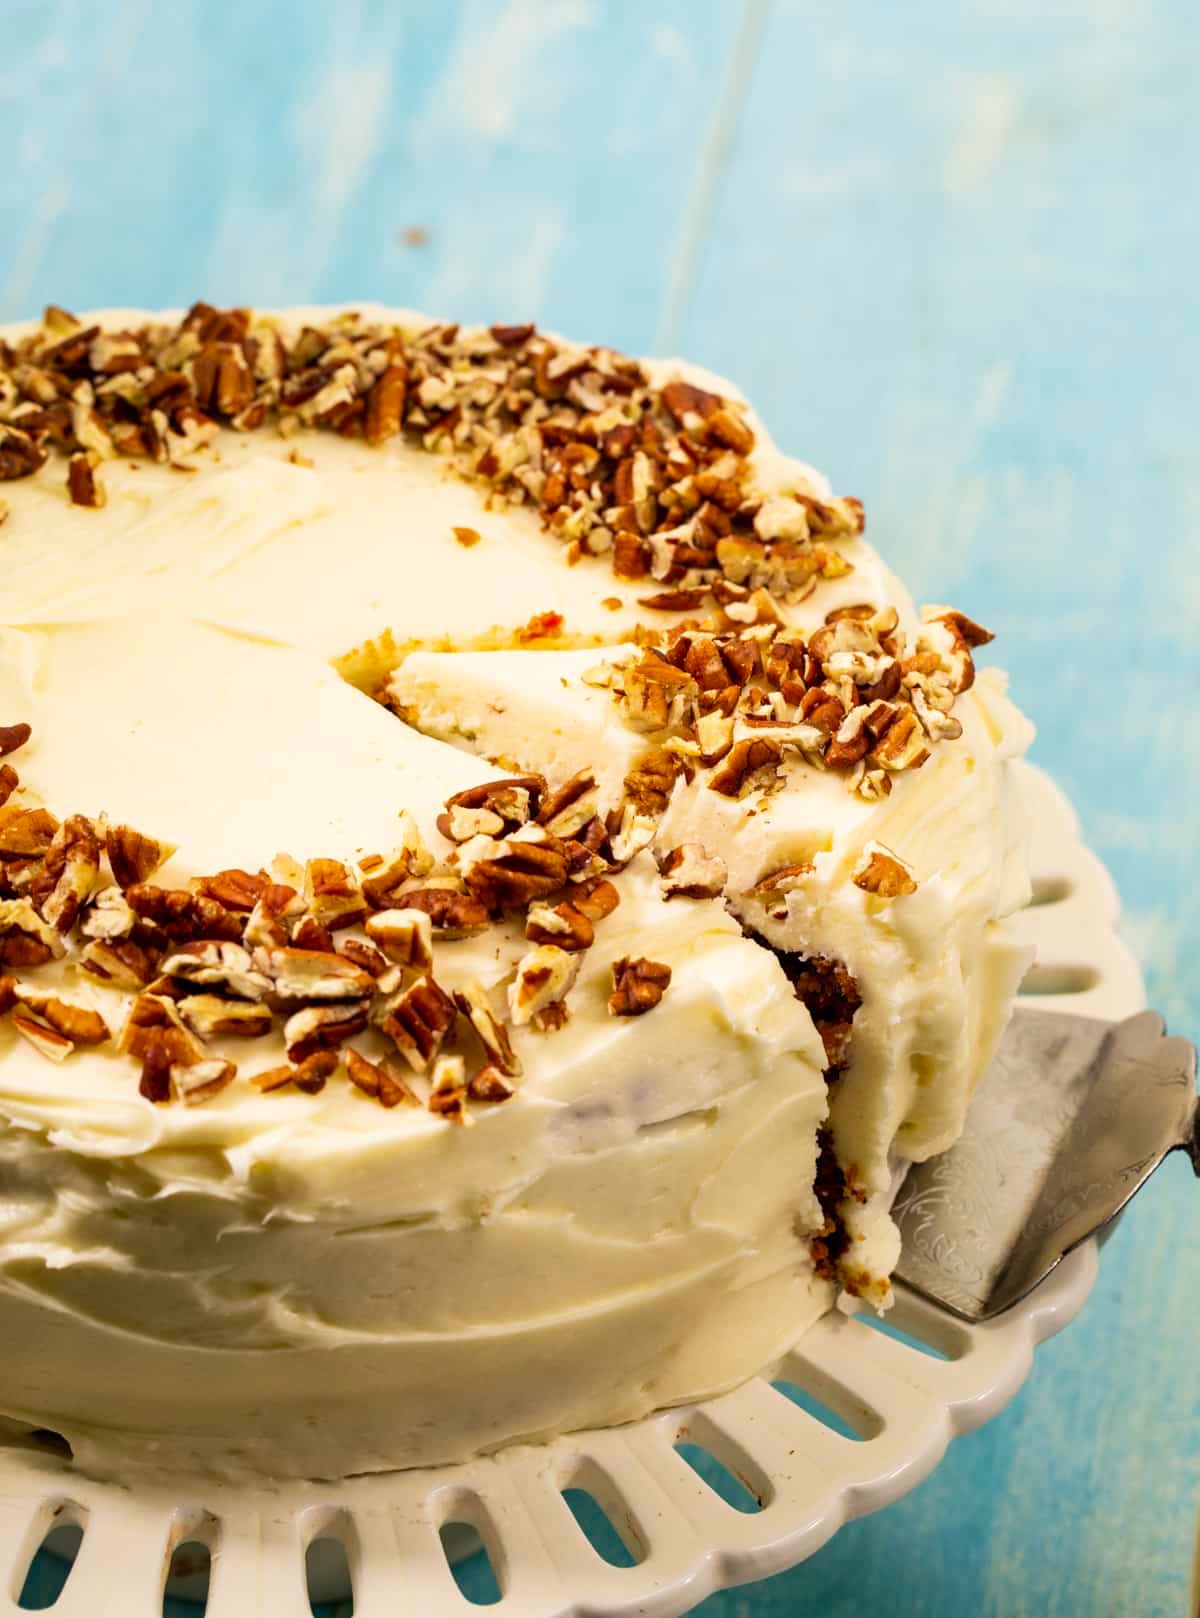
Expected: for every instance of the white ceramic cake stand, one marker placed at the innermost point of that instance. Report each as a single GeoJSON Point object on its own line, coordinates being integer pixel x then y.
{"type": "Point", "coordinates": [906, 1405]}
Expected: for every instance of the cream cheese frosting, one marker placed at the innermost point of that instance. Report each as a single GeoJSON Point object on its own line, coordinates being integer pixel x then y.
{"type": "Point", "coordinates": [310, 1284]}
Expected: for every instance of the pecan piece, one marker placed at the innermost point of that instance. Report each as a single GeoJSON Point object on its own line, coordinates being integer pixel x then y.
{"type": "Point", "coordinates": [133, 857]}
{"type": "Point", "coordinates": [489, 1084]}
{"type": "Point", "coordinates": [217, 962]}
{"type": "Point", "coordinates": [638, 986]}
{"type": "Point", "coordinates": [211, 1016]}
{"type": "Point", "coordinates": [306, 974]}
{"type": "Point", "coordinates": [418, 1020]}
{"type": "Point", "coordinates": [70, 867]}
{"type": "Point", "coordinates": [596, 897]}
{"type": "Point", "coordinates": [564, 925]}
{"type": "Point", "coordinates": [385, 405]}
{"type": "Point", "coordinates": [84, 484]}
{"type": "Point", "coordinates": [9, 781]}
{"type": "Point", "coordinates": [448, 1091]}
{"type": "Point", "coordinates": [473, 1002]}
{"type": "Point", "coordinates": [332, 894]}
{"type": "Point", "coordinates": [235, 889]}
{"type": "Point", "coordinates": [451, 914]}
{"type": "Point", "coordinates": [404, 936]}
{"type": "Point", "coordinates": [200, 1082]}
{"type": "Point", "coordinates": [691, 872]}
{"type": "Point", "coordinates": [543, 978]}
{"type": "Point", "coordinates": [26, 832]}
{"type": "Point", "coordinates": [44, 1039]}
{"type": "Point", "coordinates": [76, 1023]}
{"type": "Point", "coordinates": [523, 870]}
{"type": "Point", "coordinates": [571, 806]}
{"type": "Point", "coordinates": [380, 1080]}
{"type": "Point", "coordinates": [318, 1028]}
{"type": "Point", "coordinates": [743, 762]}
{"type": "Point", "coordinates": [118, 962]}
{"type": "Point", "coordinates": [514, 799]}
{"type": "Point", "coordinates": [182, 915]}
{"type": "Point", "coordinates": [883, 875]}
{"type": "Point", "coordinates": [12, 737]}
{"type": "Point", "coordinates": [25, 939]}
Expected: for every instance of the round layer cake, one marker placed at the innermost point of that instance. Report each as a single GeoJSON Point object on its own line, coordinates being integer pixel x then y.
{"type": "Point", "coordinates": [494, 873]}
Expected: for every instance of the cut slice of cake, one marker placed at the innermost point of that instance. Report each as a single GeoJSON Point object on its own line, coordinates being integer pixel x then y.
{"type": "Point", "coordinates": [494, 874]}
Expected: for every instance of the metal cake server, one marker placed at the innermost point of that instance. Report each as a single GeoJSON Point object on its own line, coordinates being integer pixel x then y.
{"type": "Point", "coordinates": [1071, 1119]}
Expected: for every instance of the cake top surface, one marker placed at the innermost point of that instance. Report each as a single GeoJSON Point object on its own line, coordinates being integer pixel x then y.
{"type": "Point", "coordinates": [219, 523]}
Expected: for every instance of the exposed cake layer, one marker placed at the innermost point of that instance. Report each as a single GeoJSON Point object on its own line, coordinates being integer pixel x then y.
{"type": "Point", "coordinates": [935, 968]}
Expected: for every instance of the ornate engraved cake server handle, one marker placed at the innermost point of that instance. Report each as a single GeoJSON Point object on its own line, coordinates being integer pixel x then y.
{"type": "Point", "coordinates": [1071, 1119]}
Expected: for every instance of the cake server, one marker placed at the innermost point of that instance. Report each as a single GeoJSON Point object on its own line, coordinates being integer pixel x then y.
{"type": "Point", "coordinates": [1069, 1122]}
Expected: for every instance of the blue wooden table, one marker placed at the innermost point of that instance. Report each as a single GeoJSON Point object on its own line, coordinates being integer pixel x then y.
{"type": "Point", "coordinates": [951, 250]}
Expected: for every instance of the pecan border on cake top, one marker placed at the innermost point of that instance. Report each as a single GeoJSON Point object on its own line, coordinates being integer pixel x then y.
{"type": "Point", "coordinates": [657, 478]}
{"type": "Point", "coordinates": [322, 952]}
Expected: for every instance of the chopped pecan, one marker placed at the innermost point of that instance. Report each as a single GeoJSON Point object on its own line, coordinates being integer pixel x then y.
{"type": "Point", "coordinates": [474, 1004]}
{"type": "Point", "coordinates": [638, 986]}
{"type": "Point", "coordinates": [385, 405]}
{"type": "Point", "coordinates": [650, 783]}
{"type": "Point", "coordinates": [691, 872]}
{"type": "Point", "coordinates": [383, 875]}
{"type": "Point", "coordinates": [183, 915]}
{"type": "Point", "coordinates": [404, 936]}
{"type": "Point", "coordinates": [108, 916]}
{"type": "Point", "coordinates": [514, 799]}
{"type": "Point", "coordinates": [523, 870]}
{"type": "Point", "coordinates": [13, 737]}
{"type": "Point", "coordinates": [132, 857]}
{"type": "Point", "coordinates": [311, 1074]}
{"type": "Point", "coordinates": [321, 1028]}
{"type": "Point", "coordinates": [569, 807]}
{"type": "Point", "coordinates": [448, 1090]}
{"type": "Point", "coordinates": [883, 875]}
{"type": "Point", "coordinates": [332, 894]}
{"type": "Point", "coordinates": [543, 977]}
{"type": "Point", "coordinates": [20, 455]}
{"type": "Point", "coordinates": [596, 897]}
{"type": "Point", "coordinates": [70, 867]}
{"type": "Point", "coordinates": [467, 537]}
{"type": "Point", "coordinates": [118, 962]}
{"type": "Point", "coordinates": [213, 961]}
{"type": "Point", "coordinates": [211, 1016]}
{"type": "Point", "coordinates": [305, 974]}
{"type": "Point", "coordinates": [26, 831]}
{"type": "Point", "coordinates": [489, 1084]}
{"type": "Point", "coordinates": [903, 746]}
{"type": "Point", "coordinates": [9, 781]}
{"type": "Point", "coordinates": [25, 939]}
{"type": "Point", "coordinates": [418, 1020]}
{"type": "Point", "coordinates": [76, 1023]}
{"type": "Point", "coordinates": [201, 1081]}
{"type": "Point", "coordinates": [564, 924]}
{"type": "Point", "coordinates": [451, 914]}
{"type": "Point", "coordinates": [366, 956]}
{"type": "Point", "coordinates": [83, 482]}
{"type": "Point", "coordinates": [235, 889]}
{"type": "Point", "coordinates": [312, 934]}
{"type": "Point", "coordinates": [380, 1080]}
{"type": "Point", "coordinates": [44, 1039]}
{"type": "Point", "coordinates": [743, 762]}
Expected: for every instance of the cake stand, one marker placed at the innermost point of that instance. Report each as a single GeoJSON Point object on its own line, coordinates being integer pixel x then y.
{"type": "Point", "coordinates": [855, 1417]}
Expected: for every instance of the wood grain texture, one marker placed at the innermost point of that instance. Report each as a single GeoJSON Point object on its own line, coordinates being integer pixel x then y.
{"type": "Point", "coordinates": [950, 248]}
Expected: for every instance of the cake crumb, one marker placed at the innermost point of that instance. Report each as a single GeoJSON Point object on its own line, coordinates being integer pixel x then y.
{"type": "Point", "coordinates": [467, 537]}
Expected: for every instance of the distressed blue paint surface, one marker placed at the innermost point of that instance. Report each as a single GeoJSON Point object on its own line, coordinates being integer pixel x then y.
{"type": "Point", "coordinates": [951, 250]}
